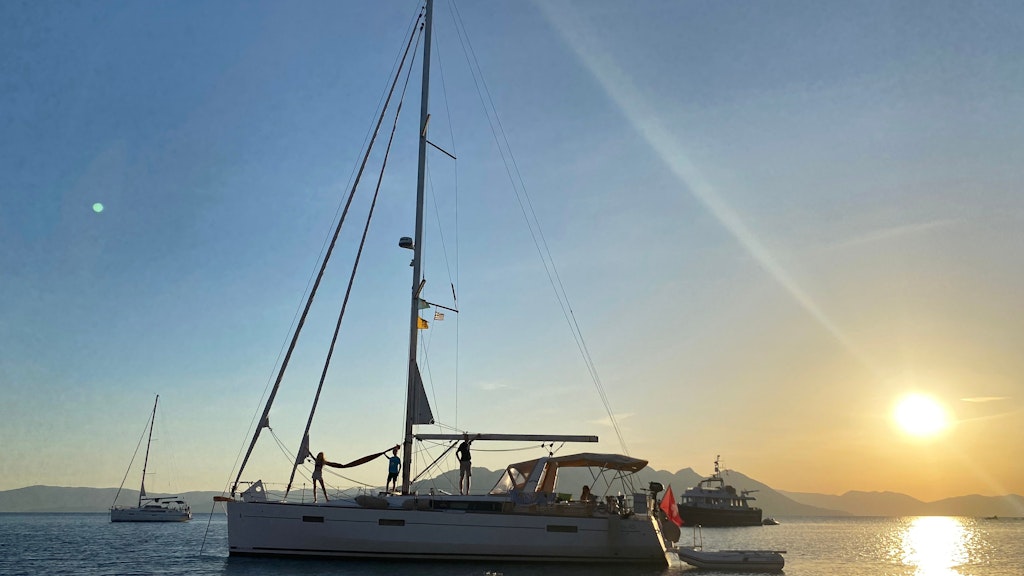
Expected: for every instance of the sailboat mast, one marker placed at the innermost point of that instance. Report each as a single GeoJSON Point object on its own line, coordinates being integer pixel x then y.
{"type": "Point", "coordinates": [152, 421]}
{"type": "Point", "coordinates": [410, 396]}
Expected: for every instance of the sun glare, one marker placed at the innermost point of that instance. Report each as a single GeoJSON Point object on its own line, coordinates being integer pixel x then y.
{"type": "Point", "coordinates": [936, 545]}
{"type": "Point", "coordinates": [921, 416]}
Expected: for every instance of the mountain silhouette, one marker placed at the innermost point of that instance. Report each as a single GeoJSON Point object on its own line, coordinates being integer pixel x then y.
{"type": "Point", "coordinates": [571, 480]}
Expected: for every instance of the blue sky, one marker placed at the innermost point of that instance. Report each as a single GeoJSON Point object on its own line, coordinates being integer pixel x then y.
{"type": "Point", "coordinates": [771, 219]}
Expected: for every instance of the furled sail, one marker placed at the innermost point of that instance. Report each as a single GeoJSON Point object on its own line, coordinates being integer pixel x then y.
{"type": "Point", "coordinates": [421, 413]}
{"type": "Point", "coordinates": [300, 457]}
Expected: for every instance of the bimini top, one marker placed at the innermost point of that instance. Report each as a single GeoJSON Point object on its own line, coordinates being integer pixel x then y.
{"type": "Point", "coordinates": [587, 460]}
{"type": "Point", "coordinates": [538, 475]}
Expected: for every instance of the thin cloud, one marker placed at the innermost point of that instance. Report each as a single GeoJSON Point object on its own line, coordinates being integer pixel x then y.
{"type": "Point", "coordinates": [982, 399]}
{"type": "Point", "coordinates": [892, 232]}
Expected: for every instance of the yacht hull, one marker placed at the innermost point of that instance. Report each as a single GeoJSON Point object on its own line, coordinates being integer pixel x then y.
{"type": "Point", "coordinates": [339, 530]}
{"type": "Point", "coordinates": [148, 515]}
{"type": "Point", "coordinates": [718, 517]}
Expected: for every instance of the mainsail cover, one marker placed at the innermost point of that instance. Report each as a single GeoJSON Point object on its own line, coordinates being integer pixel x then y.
{"type": "Point", "coordinates": [421, 413]}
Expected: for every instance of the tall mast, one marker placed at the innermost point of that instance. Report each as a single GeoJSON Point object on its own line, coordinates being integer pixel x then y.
{"type": "Point", "coordinates": [152, 421]}
{"type": "Point", "coordinates": [414, 314]}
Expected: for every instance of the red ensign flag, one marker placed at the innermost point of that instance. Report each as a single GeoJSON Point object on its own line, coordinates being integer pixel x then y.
{"type": "Point", "coordinates": [668, 505]}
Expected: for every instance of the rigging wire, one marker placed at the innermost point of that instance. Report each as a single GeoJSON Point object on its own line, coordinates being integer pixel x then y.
{"type": "Point", "coordinates": [530, 216]}
{"type": "Point", "coordinates": [168, 463]}
{"type": "Point", "coordinates": [358, 257]}
{"type": "Point", "coordinates": [313, 290]}
{"type": "Point", "coordinates": [290, 457]}
{"type": "Point", "coordinates": [527, 210]}
{"type": "Point", "coordinates": [425, 342]}
{"type": "Point", "coordinates": [132, 461]}
{"type": "Point", "coordinates": [424, 346]}
{"type": "Point", "coordinates": [454, 155]}
{"type": "Point", "coordinates": [399, 56]}
{"type": "Point", "coordinates": [435, 460]}
{"type": "Point", "coordinates": [352, 480]}
{"type": "Point", "coordinates": [448, 266]}
{"type": "Point", "coordinates": [281, 446]}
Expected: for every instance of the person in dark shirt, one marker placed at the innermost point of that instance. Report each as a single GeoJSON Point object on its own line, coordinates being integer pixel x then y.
{"type": "Point", "coordinates": [465, 463]}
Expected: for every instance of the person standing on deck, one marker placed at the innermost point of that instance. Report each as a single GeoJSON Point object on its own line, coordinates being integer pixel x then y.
{"type": "Point", "coordinates": [465, 464]}
{"type": "Point", "coordinates": [318, 473]}
{"type": "Point", "coordinates": [394, 467]}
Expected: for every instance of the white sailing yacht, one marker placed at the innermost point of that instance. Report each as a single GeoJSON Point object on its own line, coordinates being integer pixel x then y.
{"type": "Point", "coordinates": [523, 518]}
{"type": "Point", "coordinates": [150, 509]}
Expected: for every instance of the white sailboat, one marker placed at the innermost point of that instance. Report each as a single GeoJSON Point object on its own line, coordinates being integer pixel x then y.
{"type": "Point", "coordinates": [151, 509]}
{"type": "Point", "coordinates": [523, 518]}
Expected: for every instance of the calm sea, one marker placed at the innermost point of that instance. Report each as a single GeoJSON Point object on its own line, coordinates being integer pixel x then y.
{"type": "Point", "coordinates": [89, 544]}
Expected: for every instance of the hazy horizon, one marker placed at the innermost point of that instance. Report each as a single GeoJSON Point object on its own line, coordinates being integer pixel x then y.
{"type": "Point", "coordinates": [130, 487]}
{"type": "Point", "coordinates": [479, 488]}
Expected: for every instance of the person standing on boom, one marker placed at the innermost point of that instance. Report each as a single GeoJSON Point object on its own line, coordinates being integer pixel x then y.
{"type": "Point", "coordinates": [465, 463]}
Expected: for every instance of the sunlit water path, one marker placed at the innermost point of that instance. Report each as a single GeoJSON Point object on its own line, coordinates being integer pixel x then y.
{"type": "Point", "coordinates": [89, 544]}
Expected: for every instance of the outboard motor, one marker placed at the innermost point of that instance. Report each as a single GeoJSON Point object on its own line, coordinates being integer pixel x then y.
{"type": "Point", "coordinates": [655, 488]}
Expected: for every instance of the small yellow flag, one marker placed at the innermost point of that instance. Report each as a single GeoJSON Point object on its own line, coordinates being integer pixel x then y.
{"type": "Point", "coordinates": [422, 324]}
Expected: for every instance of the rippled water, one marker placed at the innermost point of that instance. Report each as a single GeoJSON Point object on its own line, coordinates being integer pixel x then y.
{"type": "Point", "coordinates": [90, 544]}
{"type": "Point", "coordinates": [917, 546]}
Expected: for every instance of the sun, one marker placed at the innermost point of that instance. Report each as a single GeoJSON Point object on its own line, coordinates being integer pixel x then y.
{"type": "Point", "coordinates": [921, 415]}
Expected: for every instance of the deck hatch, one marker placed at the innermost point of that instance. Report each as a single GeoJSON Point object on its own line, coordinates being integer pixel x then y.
{"type": "Point", "coordinates": [389, 522]}
{"type": "Point", "coordinates": [319, 519]}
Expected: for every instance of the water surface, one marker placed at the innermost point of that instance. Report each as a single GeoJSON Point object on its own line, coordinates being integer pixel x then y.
{"type": "Point", "coordinates": [89, 544]}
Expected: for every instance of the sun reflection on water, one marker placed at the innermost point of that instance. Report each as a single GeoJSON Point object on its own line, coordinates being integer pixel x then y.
{"type": "Point", "coordinates": [936, 545]}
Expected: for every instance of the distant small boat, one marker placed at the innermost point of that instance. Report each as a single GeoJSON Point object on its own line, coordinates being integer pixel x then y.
{"type": "Point", "coordinates": [164, 509]}
{"type": "Point", "coordinates": [991, 517]}
{"type": "Point", "coordinates": [735, 560]}
{"type": "Point", "coordinates": [769, 521]}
